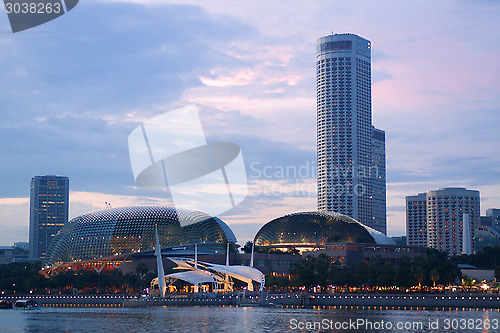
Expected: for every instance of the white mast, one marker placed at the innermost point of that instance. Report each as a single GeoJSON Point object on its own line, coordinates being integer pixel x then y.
{"type": "Point", "coordinates": [466, 235]}
{"type": "Point", "coordinates": [227, 254]}
{"type": "Point", "coordinates": [195, 256]}
{"type": "Point", "coordinates": [251, 257]}
{"type": "Point", "coordinates": [159, 264]}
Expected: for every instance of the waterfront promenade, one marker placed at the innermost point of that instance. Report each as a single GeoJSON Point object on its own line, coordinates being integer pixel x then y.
{"type": "Point", "coordinates": [388, 301]}
{"type": "Point", "coordinates": [440, 301]}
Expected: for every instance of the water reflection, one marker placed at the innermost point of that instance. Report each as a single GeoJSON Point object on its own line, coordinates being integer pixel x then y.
{"type": "Point", "coordinates": [233, 319]}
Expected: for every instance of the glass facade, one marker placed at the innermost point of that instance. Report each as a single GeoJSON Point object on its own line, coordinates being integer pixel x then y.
{"type": "Point", "coordinates": [49, 205]}
{"type": "Point", "coordinates": [486, 236]}
{"type": "Point", "coordinates": [316, 228]}
{"type": "Point", "coordinates": [125, 230]}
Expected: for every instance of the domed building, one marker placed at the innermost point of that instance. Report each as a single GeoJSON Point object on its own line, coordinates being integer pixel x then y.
{"type": "Point", "coordinates": [486, 236]}
{"type": "Point", "coordinates": [317, 228]}
{"type": "Point", "coordinates": [340, 237]}
{"type": "Point", "coordinates": [106, 238]}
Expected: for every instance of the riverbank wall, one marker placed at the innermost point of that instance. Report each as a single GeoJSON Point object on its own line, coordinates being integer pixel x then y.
{"type": "Point", "coordinates": [387, 301]}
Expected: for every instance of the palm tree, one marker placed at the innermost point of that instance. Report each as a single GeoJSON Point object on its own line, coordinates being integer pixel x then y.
{"type": "Point", "coordinates": [434, 275]}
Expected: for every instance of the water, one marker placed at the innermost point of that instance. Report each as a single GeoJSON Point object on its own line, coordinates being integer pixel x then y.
{"type": "Point", "coordinates": [234, 319]}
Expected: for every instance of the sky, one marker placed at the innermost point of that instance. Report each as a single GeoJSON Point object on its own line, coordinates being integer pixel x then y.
{"type": "Point", "coordinates": [73, 89]}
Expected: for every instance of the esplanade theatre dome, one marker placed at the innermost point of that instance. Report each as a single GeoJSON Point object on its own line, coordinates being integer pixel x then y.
{"type": "Point", "coordinates": [317, 227]}
{"type": "Point", "coordinates": [120, 232]}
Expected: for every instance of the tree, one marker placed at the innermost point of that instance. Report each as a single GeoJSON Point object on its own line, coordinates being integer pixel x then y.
{"type": "Point", "coordinates": [247, 248]}
{"type": "Point", "coordinates": [321, 269]}
{"type": "Point", "coordinates": [274, 281]}
{"type": "Point", "coordinates": [467, 281]}
{"type": "Point", "coordinates": [142, 269]}
{"type": "Point", "coordinates": [497, 272]}
{"type": "Point", "coordinates": [419, 271]}
{"type": "Point", "coordinates": [303, 269]}
{"type": "Point", "coordinates": [434, 275]}
{"type": "Point", "coordinates": [344, 275]}
{"type": "Point", "coordinates": [404, 274]}
{"type": "Point", "coordinates": [488, 258]}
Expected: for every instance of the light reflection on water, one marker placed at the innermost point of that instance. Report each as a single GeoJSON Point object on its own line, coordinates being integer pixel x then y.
{"type": "Point", "coordinates": [232, 319]}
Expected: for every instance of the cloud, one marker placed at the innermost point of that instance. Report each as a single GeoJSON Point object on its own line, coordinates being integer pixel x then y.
{"type": "Point", "coordinates": [14, 220]}
{"type": "Point", "coordinates": [75, 88]}
{"type": "Point", "coordinates": [246, 219]}
{"type": "Point", "coordinates": [84, 202]}
{"type": "Point", "coordinates": [71, 99]}
{"type": "Point", "coordinates": [240, 78]}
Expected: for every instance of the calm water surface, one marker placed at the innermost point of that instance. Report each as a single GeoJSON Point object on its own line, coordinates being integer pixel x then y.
{"type": "Point", "coordinates": [234, 319]}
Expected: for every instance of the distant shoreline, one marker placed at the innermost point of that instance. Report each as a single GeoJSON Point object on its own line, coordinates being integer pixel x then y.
{"type": "Point", "coordinates": [388, 301]}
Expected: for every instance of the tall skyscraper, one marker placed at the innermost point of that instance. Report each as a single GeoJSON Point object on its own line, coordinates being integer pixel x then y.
{"type": "Point", "coordinates": [49, 206]}
{"type": "Point", "coordinates": [379, 206]}
{"type": "Point", "coordinates": [346, 163]}
{"type": "Point", "coordinates": [444, 218]}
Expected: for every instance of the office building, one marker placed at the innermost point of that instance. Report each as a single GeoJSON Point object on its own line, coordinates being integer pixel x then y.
{"type": "Point", "coordinates": [345, 136]}
{"type": "Point", "coordinates": [445, 213]}
{"type": "Point", "coordinates": [486, 221]}
{"type": "Point", "coordinates": [445, 210]}
{"type": "Point", "coordinates": [494, 215]}
{"type": "Point", "coordinates": [49, 208]}
{"type": "Point", "coordinates": [416, 220]}
{"type": "Point", "coordinates": [491, 219]}
{"type": "Point", "coordinates": [379, 210]}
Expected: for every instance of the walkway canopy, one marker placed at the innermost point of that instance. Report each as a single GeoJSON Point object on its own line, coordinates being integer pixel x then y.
{"type": "Point", "coordinates": [204, 270]}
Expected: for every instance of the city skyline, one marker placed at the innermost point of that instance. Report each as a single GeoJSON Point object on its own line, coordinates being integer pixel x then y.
{"type": "Point", "coordinates": [76, 87]}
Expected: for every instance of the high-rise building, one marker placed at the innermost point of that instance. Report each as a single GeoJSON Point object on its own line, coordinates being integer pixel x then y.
{"type": "Point", "coordinates": [347, 164]}
{"type": "Point", "coordinates": [491, 219]}
{"type": "Point", "coordinates": [49, 206]}
{"type": "Point", "coordinates": [486, 221]}
{"type": "Point", "coordinates": [494, 214]}
{"type": "Point", "coordinates": [444, 218]}
{"type": "Point", "coordinates": [416, 220]}
{"type": "Point", "coordinates": [379, 206]}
